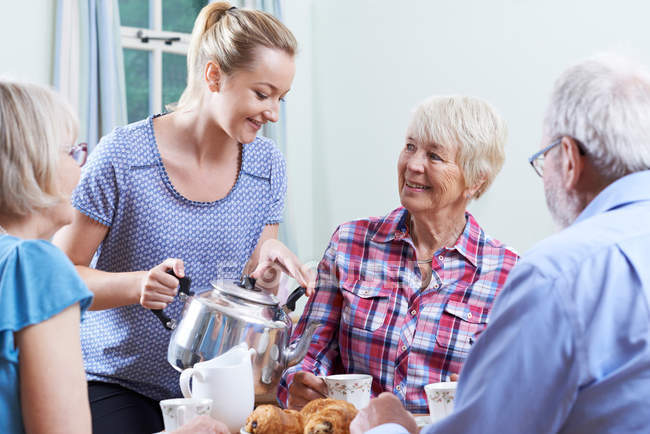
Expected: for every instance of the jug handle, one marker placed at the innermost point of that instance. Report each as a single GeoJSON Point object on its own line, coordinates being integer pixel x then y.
{"type": "Point", "coordinates": [184, 380]}
{"type": "Point", "coordinates": [290, 305]}
{"type": "Point", "coordinates": [183, 293]}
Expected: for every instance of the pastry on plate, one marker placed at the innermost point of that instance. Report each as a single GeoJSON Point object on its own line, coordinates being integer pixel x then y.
{"type": "Point", "coordinates": [269, 419]}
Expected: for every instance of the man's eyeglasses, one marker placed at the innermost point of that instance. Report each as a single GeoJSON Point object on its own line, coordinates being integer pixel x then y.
{"type": "Point", "coordinates": [79, 153]}
{"type": "Point", "coordinates": [537, 159]}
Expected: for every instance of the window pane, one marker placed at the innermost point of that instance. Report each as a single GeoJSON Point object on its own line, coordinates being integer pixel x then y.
{"type": "Point", "coordinates": [134, 13]}
{"type": "Point", "coordinates": [174, 77]}
{"type": "Point", "coordinates": [136, 74]}
{"type": "Point", "coordinates": [179, 15]}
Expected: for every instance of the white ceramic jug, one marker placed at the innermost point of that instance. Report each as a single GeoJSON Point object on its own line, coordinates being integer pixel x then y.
{"type": "Point", "coordinates": [228, 381]}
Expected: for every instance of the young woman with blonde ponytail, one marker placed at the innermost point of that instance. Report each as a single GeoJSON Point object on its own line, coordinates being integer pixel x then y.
{"type": "Point", "coordinates": [195, 191]}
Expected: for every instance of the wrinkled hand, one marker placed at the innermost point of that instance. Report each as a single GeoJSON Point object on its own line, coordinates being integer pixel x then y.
{"type": "Point", "coordinates": [305, 387]}
{"type": "Point", "coordinates": [202, 425]}
{"type": "Point", "coordinates": [274, 258]}
{"type": "Point", "coordinates": [159, 288]}
{"type": "Point", "coordinates": [386, 408]}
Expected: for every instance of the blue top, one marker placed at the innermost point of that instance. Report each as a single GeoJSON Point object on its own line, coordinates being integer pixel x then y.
{"type": "Point", "coordinates": [125, 186]}
{"type": "Point", "coordinates": [568, 345]}
{"type": "Point", "coordinates": [37, 281]}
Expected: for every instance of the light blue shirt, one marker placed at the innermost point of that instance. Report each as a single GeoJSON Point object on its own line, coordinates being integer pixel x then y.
{"type": "Point", "coordinates": [37, 282]}
{"type": "Point", "coordinates": [568, 345]}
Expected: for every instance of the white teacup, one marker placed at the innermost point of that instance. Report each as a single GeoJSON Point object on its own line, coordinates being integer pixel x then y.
{"type": "Point", "coordinates": [177, 412]}
{"type": "Point", "coordinates": [228, 381]}
{"type": "Point", "coordinates": [440, 397]}
{"type": "Point", "coordinates": [353, 388]}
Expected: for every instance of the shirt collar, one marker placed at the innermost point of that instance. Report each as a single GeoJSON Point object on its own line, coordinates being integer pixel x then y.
{"type": "Point", "coordinates": [394, 227]}
{"type": "Point", "coordinates": [624, 191]}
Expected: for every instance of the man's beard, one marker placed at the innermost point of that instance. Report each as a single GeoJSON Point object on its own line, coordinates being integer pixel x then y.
{"type": "Point", "coordinates": [564, 207]}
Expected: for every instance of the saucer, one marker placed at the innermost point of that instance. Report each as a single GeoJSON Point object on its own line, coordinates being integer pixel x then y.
{"type": "Point", "coordinates": [419, 420]}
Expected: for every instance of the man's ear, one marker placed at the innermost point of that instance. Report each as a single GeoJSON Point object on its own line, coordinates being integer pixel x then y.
{"type": "Point", "coordinates": [573, 162]}
{"type": "Point", "coordinates": [212, 76]}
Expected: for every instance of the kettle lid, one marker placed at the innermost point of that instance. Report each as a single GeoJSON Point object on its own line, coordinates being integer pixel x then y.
{"type": "Point", "coordinates": [245, 289]}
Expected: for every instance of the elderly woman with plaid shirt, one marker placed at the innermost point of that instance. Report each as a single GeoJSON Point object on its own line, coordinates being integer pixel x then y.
{"type": "Point", "coordinates": [402, 297]}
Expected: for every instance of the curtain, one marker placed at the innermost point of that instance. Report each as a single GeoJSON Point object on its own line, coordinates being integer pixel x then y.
{"type": "Point", "coordinates": [89, 69]}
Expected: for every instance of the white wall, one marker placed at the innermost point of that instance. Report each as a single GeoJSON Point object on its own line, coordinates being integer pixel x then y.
{"type": "Point", "coordinates": [27, 34]}
{"type": "Point", "coordinates": [372, 61]}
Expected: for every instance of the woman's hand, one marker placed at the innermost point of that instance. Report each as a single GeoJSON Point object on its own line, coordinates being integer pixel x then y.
{"type": "Point", "coordinates": [202, 425]}
{"type": "Point", "coordinates": [274, 258]}
{"type": "Point", "coordinates": [304, 388]}
{"type": "Point", "coordinates": [159, 288]}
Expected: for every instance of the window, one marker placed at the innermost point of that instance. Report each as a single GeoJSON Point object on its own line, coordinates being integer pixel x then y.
{"type": "Point", "coordinates": [155, 35]}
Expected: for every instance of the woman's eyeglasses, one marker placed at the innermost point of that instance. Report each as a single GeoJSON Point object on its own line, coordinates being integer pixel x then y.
{"type": "Point", "coordinates": [79, 153]}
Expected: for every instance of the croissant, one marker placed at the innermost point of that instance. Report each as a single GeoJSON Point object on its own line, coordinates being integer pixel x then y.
{"type": "Point", "coordinates": [269, 419]}
{"type": "Point", "coordinates": [328, 416]}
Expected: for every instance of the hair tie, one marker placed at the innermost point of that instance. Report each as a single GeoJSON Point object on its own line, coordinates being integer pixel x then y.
{"type": "Point", "coordinates": [233, 7]}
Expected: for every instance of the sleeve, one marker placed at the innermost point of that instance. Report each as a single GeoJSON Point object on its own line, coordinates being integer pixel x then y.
{"type": "Point", "coordinates": [278, 188]}
{"type": "Point", "coordinates": [525, 364]}
{"type": "Point", "coordinates": [96, 194]}
{"type": "Point", "coordinates": [324, 307]}
{"type": "Point", "coordinates": [38, 282]}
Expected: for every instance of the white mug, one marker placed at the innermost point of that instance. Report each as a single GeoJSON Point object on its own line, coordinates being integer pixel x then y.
{"type": "Point", "coordinates": [177, 412]}
{"type": "Point", "coordinates": [353, 388]}
{"type": "Point", "coordinates": [440, 397]}
{"type": "Point", "coordinates": [228, 381]}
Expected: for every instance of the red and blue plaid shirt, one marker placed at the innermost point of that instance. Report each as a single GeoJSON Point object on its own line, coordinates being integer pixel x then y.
{"type": "Point", "coordinates": [377, 320]}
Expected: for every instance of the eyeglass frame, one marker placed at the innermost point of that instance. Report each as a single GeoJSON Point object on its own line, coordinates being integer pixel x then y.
{"type": "Point", "coordinates": [538, 157]}
{"type": "Point", "coordinates": [79, 149]}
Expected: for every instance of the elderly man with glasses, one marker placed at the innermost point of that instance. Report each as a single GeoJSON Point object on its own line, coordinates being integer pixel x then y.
{"type": "Point", "coordinates": [568, 345]}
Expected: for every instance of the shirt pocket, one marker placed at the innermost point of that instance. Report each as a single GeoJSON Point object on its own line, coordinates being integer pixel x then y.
{"type": "Point", "coordinates": [365, 304]}
{"type": "Point", "coordinates": [459, 324]}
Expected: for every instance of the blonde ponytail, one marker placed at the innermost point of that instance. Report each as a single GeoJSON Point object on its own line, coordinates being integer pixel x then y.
{"type": "Point", "coordinates": [229, 37]}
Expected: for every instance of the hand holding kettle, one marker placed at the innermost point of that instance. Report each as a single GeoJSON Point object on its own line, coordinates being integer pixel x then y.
{"type": "Point", "coordinates": [159, 286]}
{"type": "Point", "coordinates": [275, 257]}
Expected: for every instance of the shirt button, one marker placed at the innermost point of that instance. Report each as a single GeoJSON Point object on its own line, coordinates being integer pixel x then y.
{"type": "Point", "coordinates": [469, 315]}
{"type": "Point", "coordinates": [414, 312]}
{"type": "Point", "coordinates": [436, 286]}
{"type": "Point", "coordinates": [442, 258]}
{"type": "Point", "coordinates": [398, 388]}
{"type": "Point", "coordinates": [364, 292]}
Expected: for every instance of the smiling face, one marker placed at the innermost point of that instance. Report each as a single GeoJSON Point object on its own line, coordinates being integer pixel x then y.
{"type": "Point", "coordinates": [429, 178]}
{"type": "Point", "coordinates": [248, 98]}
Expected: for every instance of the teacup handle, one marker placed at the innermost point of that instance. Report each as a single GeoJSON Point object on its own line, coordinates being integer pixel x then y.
{"type": "Point", "coordinates": [184, 381]}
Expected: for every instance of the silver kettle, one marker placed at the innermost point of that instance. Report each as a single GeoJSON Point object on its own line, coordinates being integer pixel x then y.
{"type": "Point", "coordinates": [213, 322]}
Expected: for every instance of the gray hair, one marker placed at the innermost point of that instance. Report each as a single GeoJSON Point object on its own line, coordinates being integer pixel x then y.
{"type": "Point", "coordinates": [604, 102]}
{"type": "Point", "coordinates": [35, 124]}
{"type": "Point", "coordinates": [470, 124]}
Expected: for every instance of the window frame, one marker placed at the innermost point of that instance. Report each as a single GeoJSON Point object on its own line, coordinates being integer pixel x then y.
{"type": "Point", "coordinates": [130, 39]}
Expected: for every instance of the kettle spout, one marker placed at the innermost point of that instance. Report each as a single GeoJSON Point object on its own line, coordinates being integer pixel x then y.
{"type": "Point", "coordinates": [296, 352]}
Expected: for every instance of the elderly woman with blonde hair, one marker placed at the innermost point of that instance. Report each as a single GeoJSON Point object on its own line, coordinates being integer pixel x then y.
{"type": "Point", "coordinates": [403, 297]}
{"type": "Point", "coordinates": [42, 382]}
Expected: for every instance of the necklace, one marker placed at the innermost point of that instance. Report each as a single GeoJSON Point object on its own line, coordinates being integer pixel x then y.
{"type": "Point", "coordinates": [419, 261]}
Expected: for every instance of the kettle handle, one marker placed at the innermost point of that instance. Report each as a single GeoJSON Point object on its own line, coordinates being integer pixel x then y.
{"type": "Point", "coordinates": [293, 297]}
{"type": "Point", "coordinates": [183, 293]}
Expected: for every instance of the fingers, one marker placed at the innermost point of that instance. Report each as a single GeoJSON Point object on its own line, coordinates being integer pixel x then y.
{"type": "Point", "coordinates": [304, 388]}
{"type": "Point", "coordinates": [158, 287]}
{"type": "Point", "coordinates": [453, 377]}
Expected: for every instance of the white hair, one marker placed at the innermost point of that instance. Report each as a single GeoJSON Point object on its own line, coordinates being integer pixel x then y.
{"type": "Point", "coordinates": [470, 124]}
{"type": "Point", "coordinates": [604, 102]}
